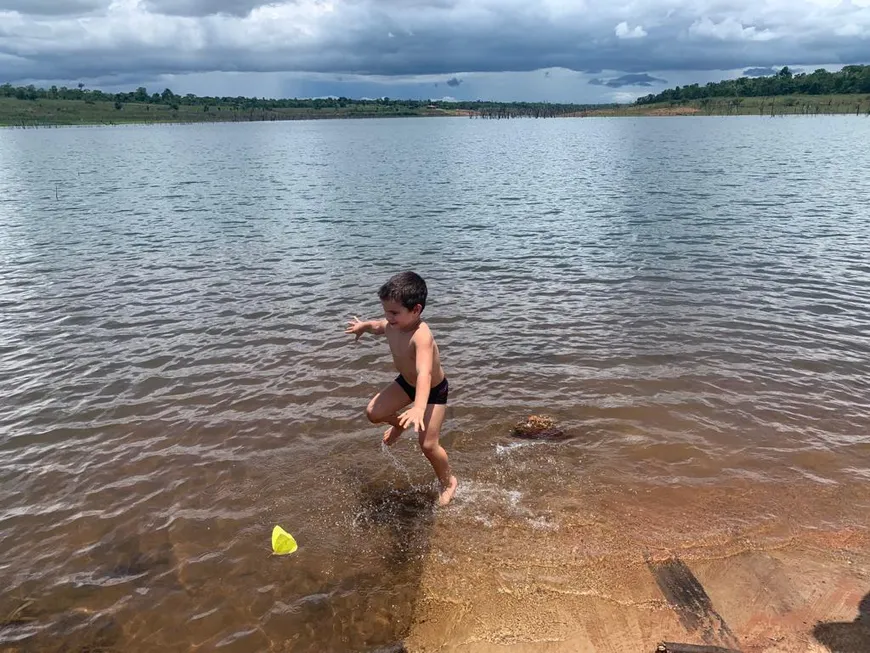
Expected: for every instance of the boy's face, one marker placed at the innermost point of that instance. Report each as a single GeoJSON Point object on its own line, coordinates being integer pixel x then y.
{"type": "Point", "coordinates": [399, 316]}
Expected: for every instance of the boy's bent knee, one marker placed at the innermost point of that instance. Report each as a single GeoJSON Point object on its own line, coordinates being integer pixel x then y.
{"type": "Point", "coordinates": [429, 447]}
{"type": "Point", "coordinates": [371, 414]}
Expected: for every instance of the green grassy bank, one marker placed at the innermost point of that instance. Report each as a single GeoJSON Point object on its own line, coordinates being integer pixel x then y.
{"type": "Point", "coordinates": [50, 112]}
{"type": "Point", "coordinates": [45, 112]}
{"type": "Point", "coordinates": [778, 105]}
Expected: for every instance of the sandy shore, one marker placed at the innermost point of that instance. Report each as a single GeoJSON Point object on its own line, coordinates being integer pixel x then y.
{"type": "Point", "coordinates": [663, 566]}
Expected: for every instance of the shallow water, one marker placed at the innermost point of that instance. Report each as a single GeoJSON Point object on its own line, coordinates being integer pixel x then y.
{"type": "Point", "coordinates": [689, 297]}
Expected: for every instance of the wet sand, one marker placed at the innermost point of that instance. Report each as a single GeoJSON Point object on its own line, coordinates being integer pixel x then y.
{"type": "Point", "coordinates": [751, 568]}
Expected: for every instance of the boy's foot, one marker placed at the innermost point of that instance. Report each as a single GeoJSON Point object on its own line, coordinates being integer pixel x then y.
{"type": "Point", "coordinates": [392, 434]}
{"type": "Point", "coordinates": [448, 492]}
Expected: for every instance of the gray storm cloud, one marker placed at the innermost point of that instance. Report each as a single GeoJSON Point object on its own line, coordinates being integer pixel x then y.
{"type": "Point", "coordinates": [53, 7]}
{"type": "Point", "coordinates": [201, 7]}
{"type": "Point", "coordinates": [632, 79]}
{"type": "Point", "coordinates": [59, 39]}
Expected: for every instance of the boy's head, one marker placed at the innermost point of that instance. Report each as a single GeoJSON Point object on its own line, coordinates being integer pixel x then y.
{"type": "Point", "coordinates": [403, 298]}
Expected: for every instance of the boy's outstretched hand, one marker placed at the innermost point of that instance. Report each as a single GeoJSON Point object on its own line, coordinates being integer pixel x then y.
{"type": "Point", "coordinates": [413, 416]}
{"type": "Point", "coordinates": [356, 327]}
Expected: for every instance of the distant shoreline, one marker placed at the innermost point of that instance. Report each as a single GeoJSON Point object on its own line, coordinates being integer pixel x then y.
{"type": "Point", "coordinates": [774, 105]}
{"type": "Point", "coordinates": [148, 123]}
{"type": "Point", "coordinates": [17, 113]}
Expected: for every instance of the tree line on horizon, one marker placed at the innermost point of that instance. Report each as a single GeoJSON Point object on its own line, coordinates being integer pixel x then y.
{"type": "Point", "coordinates": [175, 101]}
{"type": "Point", "coordinates": [849, 80]}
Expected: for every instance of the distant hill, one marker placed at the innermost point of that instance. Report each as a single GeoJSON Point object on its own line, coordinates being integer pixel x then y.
{"type": "Point", "coordinates": [849, 80]}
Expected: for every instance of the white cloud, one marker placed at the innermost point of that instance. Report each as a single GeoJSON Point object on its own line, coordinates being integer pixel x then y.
{"type": "Point", "coordinates": [849, 30]}
{"type": "Point", "coordinates": [729, 29]}
{"type": "Point", "coordinates": [270, 39]}
{"type": "Point", "coordinates": [623, 97]}
{"type": "Point", "coordinates": [623, 31]}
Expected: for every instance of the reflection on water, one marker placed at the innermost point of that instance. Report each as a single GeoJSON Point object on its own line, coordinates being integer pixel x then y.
{"type": "Point", "coordinates": [688, 297]}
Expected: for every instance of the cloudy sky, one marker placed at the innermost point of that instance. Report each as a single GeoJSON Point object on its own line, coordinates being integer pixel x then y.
{"type": "Point", "coordinates": [537, 50]}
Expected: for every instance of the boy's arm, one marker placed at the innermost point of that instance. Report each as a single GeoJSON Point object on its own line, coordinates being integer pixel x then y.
{"type": "Point", "coordinates": [424, 345]}
{"type": "Point", "coordinates": [358, 328]}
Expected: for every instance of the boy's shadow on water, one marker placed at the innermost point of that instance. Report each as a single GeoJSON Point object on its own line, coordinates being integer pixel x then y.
{"type": "Point", "coordinates": [847, 637]}
{"type": "Point", "coordinates": [406, 513]}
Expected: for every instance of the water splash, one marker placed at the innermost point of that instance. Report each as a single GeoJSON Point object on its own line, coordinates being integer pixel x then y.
{"type": "Point", "coordinates": [398, 464]}
{"type": "Point", "coordinates": [502, 449]}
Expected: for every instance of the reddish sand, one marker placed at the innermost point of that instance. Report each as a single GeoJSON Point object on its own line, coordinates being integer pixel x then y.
{"type": "Point", "coordinates": [655, 568]}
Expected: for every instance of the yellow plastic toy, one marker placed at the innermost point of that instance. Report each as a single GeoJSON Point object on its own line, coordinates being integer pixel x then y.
{"type": "Point", "coordinates": [282, 542]}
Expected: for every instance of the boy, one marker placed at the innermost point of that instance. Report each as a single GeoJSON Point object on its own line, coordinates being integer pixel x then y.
{"type": "Point", "coordinates": [421, 381]}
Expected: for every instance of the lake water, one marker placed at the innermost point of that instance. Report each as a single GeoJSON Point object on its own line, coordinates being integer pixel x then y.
{"type": "Point", "coordinates": [689, 297]}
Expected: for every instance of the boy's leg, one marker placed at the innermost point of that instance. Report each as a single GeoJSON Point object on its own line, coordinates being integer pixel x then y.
{"type": "Point", "coordinates": [432, 449]}
{"type": "Point", "coordinates": [384, 408]}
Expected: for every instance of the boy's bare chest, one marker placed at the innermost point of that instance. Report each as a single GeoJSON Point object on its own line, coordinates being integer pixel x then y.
{"type": "Point", "coordinates": [401, 345]}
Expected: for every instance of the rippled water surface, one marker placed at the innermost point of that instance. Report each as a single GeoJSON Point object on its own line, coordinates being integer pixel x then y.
{"type": "Point", "coordinates": [689, 297]}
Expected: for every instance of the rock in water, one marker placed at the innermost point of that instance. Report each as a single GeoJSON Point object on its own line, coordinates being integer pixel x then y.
{"type": "Point", "coordinates": [538, 427]}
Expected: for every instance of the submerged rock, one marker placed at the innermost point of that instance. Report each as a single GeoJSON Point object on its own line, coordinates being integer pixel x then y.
{"type": "Point", "coordinates": [538, 427]}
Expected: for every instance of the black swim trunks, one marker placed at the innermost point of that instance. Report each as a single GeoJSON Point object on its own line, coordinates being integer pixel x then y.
{"type": "Point", "coordinates": [437, 395]}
